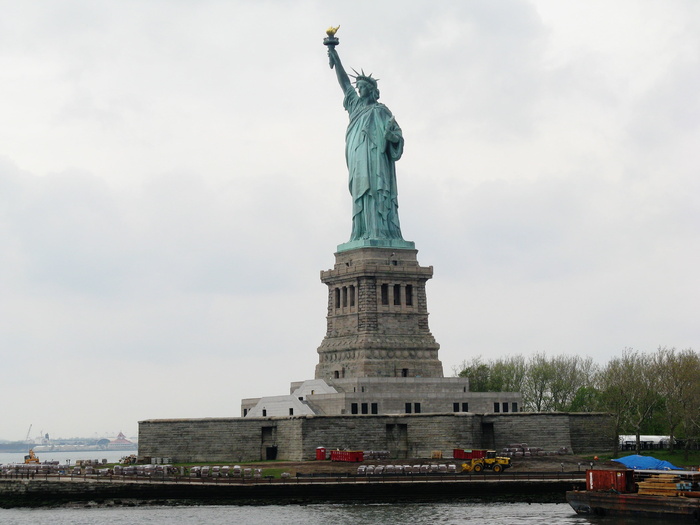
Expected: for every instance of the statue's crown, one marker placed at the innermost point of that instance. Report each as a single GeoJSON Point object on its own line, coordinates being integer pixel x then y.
{"type": "Point", "coordinates": [366, 78]}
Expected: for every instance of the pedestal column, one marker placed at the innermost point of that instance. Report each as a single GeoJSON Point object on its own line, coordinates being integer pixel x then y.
{"type": "Point", "coordinates": [385, 332]}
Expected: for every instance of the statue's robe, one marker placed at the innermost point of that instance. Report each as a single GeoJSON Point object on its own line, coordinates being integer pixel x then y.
{"type": "Point", "coordinates": [371, 166]}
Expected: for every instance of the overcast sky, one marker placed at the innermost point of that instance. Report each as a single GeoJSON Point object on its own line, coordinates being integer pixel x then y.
{"type": "Point", "coordinates": [172, 181]}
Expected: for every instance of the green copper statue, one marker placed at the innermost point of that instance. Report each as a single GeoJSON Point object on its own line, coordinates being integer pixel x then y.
{"type": "Point", "coordinates": [373, 144]}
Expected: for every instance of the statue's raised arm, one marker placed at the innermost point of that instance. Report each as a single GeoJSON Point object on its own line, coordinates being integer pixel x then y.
{"type": "Point", "coordinates": [334, 61]}
{"type": "Point", "coordinates": [373, 144]}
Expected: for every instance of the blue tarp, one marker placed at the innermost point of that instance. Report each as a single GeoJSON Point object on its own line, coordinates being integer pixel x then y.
{"type": "Point", "coordinates": [646, 463]}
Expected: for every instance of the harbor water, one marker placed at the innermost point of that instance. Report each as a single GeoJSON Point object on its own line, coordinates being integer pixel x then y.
{"type": "Point", "coordinates": [380, 514]}
{"type": "Point", "coordinates": [316, 514]}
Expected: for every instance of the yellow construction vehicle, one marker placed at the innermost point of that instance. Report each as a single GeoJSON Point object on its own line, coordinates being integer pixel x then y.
{"type": "Point", "coordinates": [31, 458]}
{"type": "Point", "coordinates": [485, 459]}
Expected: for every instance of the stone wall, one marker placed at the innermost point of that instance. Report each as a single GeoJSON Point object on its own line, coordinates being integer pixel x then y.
{"type": "Point", "coordinates": [592, 432]}
{"type": "Point", "coordinates": [218, 439]}
{"type": "Point", "coordinates": [580, 433]}
{"type": "Point", "coordinates": [405, 436]}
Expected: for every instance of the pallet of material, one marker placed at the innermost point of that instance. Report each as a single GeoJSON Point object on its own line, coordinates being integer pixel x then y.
{"type": "Point", "coordinates": [666, 493]}
{"type": "Point", "coordinates": [661, 485]}
{"type": "Point", "coordinates": [657, 485]}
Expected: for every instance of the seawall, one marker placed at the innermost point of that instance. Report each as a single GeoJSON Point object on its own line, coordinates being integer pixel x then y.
{"type": "Point", "coordinates": [42, 492]}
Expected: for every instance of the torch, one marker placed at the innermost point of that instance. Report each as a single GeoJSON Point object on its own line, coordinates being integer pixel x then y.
{"type": "Point", "coordinates": [331, 41]}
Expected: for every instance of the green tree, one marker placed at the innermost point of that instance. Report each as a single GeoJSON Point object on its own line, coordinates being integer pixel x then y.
{"type": "Point", "coordinates": [572, 373]}
{"type": "Point", "coordinates": [478, 374]}
{"type": "Point", "coordinates": [508, 374]}
{"type": "Point", "coordinates": [644, 393]}
{"type": "Point", "coordinates": [678, 379]}
{"type": "Point", "coordinates": [586, 399]}
{"type": "Point", "coordinates": [537, 385]}
{"type": "Point", "coordinates": [612, 396]}
{"type": "Point", "coordinates": [501, 375]}
{"type": "Point", "coordinates": [629, 388]}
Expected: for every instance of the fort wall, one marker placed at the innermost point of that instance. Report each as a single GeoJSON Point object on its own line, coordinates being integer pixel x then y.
{"type": "Point", "coordinates": [404, 436]}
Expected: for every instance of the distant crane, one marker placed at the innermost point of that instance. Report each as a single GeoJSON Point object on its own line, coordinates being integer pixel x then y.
{"type": "Point", "coordinates": [28, 433]}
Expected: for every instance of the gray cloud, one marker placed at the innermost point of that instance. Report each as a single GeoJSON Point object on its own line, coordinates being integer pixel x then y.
{"type": "Point", "coordinates": [172, 180]}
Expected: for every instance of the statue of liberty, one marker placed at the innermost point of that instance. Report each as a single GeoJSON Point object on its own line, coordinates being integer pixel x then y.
{"type": "Point", "coordinates": [373, 144]}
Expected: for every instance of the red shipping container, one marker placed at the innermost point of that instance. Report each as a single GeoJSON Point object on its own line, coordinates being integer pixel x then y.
{"type": "Point", "coordinates": [459, 453]}
{"type": "Point", "coordinates": [347, 455]}
{"type": "Point", "coordinates": [619, 480]}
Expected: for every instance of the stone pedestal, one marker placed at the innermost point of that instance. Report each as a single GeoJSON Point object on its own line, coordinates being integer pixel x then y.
{"type": "Point", "coordinates": [377, 323]}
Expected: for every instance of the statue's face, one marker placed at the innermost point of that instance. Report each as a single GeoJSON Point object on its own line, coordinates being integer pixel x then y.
{"type": "Point", "coordinates": [364, 89]}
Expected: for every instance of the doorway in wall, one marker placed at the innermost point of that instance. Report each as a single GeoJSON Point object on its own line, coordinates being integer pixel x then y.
{"type": "Point", "coordinates": [397, 439]}
{"type": "Point", "coordinates": [488, 439]}
{"type": "Point", "coordinates": [268, 442]}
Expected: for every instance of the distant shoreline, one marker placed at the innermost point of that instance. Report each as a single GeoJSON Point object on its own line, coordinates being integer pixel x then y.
{"type": "Point", "coordinates": [83, 448]}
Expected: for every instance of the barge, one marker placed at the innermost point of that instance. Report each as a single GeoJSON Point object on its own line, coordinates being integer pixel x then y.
{"type": "Point", "coordinates": [639, 493]}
